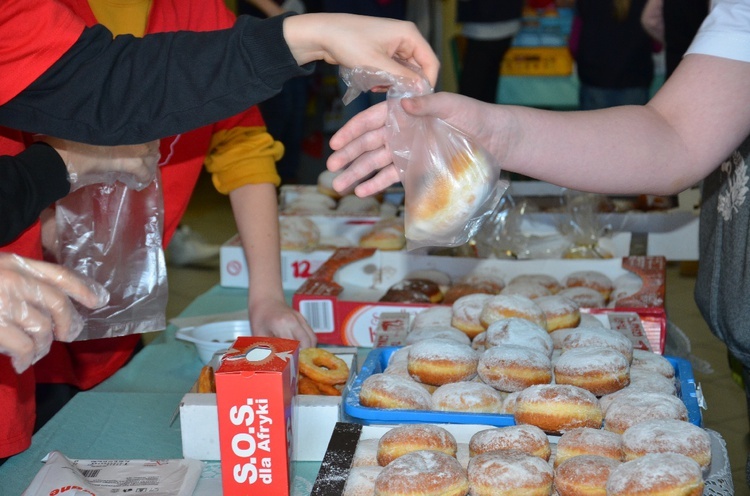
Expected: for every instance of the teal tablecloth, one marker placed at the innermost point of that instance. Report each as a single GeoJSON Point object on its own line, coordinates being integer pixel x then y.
{"type": "Point", "coordinates": [128, 416]}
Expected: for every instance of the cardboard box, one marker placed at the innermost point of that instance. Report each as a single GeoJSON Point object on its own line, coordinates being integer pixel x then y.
{"type": "Point", "coordinates": [200, 423]}
{"type": "Point", "coordinates": [296, 266]}
{"type": "Point", "coordinates": [255, 384]}
{"type": "Point", "coordinates": [340, 301]}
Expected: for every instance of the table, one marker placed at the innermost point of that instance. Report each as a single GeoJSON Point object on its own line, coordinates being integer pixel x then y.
{"type": "Point", "coordinates": [128, 415]}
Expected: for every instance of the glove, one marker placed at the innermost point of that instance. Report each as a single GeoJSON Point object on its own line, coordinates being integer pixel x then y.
{"type": "Point", "coordinates": [134, 165]}
{"type": "Point", "coordinates": [36, 307]}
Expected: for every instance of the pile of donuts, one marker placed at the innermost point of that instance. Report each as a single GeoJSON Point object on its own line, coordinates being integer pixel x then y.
{"type": "Point", "coordinates": [587, 288]}
{"type": "Point", "coordinates": [300, 233]}
{"type": "Point", "coordinates": [321, 372]}
{"type": "Point", "coordinates": [655, 457]}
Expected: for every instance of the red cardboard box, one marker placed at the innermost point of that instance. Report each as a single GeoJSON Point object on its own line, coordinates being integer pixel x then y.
{"type": "Point", "coordinates": [340, 300]}
{"type": "Point", "coordinates": [255, 384]}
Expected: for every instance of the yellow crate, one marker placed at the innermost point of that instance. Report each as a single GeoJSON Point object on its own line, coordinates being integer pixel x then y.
{"type": "Point", "coordinates": [537, 61]}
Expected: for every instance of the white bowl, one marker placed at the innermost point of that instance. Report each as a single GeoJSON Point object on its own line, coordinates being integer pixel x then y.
{"type": "Point", "coordinates": [210, 339]}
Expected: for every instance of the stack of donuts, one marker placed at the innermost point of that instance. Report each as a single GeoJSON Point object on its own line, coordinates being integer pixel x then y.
{"type": "Point", "coordinates": [656, 457]}
{"type": "Point", "coordinates": [587, 288]}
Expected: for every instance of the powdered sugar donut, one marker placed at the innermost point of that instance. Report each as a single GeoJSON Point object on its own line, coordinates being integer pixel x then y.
{"type": "Point", "coordinates": [414, 437]}
{"type": "Point", "coordinates": [651, 381]}
{"type": "Point", "coordinates": [435, 316]}
{"type": "Point", "coordinates": [479, 343]}
{"type": "Point", "coordinates": [440, 361]}
{"type": "Point", "coordinates": [392, 391]}
{"type": "Point", "coordinates": [526, 438]}
{"type": "Point", "coordinates": [427, 472]}
{"type": "Point", "coordinates": [546, 280]}
{"type": "Point", "coordinates": [530, 290]}
{"type": "Point", "coordinates": [559, 311]}
{"type": "Point", "coordinates": [466, 311]}
{"type": "Point", "coordinates": [399, 355]}
{"type": "Point", "coordinates": [558, 337]}
{"type": "Point", "coordinates": [657, 473]}
{"type": "Point", "coordinates": [361, 481]}
{"type": "Point", "coordinates": [506, 306]}
{"type": "Point", "coordinates": [448, 332]}
{"type": "Point", "coordinates": [509, 473]}
{"type": "Point", "coordinates": [557, 408]}
{"type": "Point", "coordinates": [597, 369]}
{"type": "Point", "coordinates": [588, 441]}
{"type": "Point", "coordinates": [627, 411]}
{"type": "Point", "coordinates": [298, 233]}
{"type": "Point", "coordinates": [366, 453]}
{"type": "Point", "coordinates": [585, 297]}
{"type": "Point", "coordinates": [586, 337]}
{"type": "Point", "coordinates": [509, 405]}
{"type": "Point", "coordinates": [590, 279]}
{"type": "Point", "coordinates": [465, 396]}
{"type": "Point", "coordinates": [588, 320]}
{"type": "Point", "coordinates": [667, 436]}
{"type": "Point", "coordinates": [514, 368]}
{"type": "Point", "coordinates": [519, 332]}
{"type": "Point", "coordinates": [584, 475]}
{"type": "Point", "coordinates": [648, 360]}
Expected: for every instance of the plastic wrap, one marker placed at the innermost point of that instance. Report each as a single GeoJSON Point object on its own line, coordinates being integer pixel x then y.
{"type": "Point", "coordinates": [113, 235]}
{"type": "Point", "coordinates": [451, 184]}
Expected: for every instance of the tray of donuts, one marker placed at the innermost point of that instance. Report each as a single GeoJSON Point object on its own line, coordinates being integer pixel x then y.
{"type": "Point", "coordinates": [589, 383]}
{"type": "Point", "coordinates": [651, 457]}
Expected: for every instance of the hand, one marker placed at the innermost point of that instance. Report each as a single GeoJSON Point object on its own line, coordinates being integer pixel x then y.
{"type": "Point", "coordinates": [134, 165]}
{"type": "Point", "coordinates": [361, 41]}
{"type": "Point", "coordinates": [36, 307]}
{"type": "Point", "coordinates": [276, 318]}
{"type": "Point", "coordinates": [361, 145]}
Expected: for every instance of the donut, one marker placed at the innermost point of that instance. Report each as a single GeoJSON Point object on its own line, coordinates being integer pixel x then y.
{"type": "Point", "coordinates": [414, 437]}
{"type": "Point", "coordinates": [585, 297]}
{"type": "Point", "coordinates": [657, 474]}
{"type": "Point", "coordinates": [546, 280]}
{"type": "Point", "coordinates": [442, 279]}
{"type": "Point", "coordinates": [648, 380]}
{"type": "Point", "coordinates": [361, 207]}
{"type": "Point", "coordinates": [325, 184]}
{"type": "Point", "coordinates": [588, 441]}
{"type": "Point", "coordinates": [486, 274]}
{"type": "Point", "coordinates": [607, 399]}
{"type": "Point", "coordinates": [505, 306]}
{"type": "Point", "coordinates": [559, 336]}
{"type": "Point", "coordinates": [509, 405]}
{"type": "Point", "coordinates": [322, 366]}
{"type": "Point", "coordinates": [597, 369]}
{"type": "Point", "coordinates": [435, 316]}
{"type": "Point", "coordinates": [391, 391]}
{"type": "Point", "coordinates": [530, 290]}
{"type": "Point", "coordinates": [398, 356]}
{"type": "Point", "coordinates": [206, 380]}
{"type": "Point", "coordinates": [584, 475]}
{"type": "Point", "coordinates": [588, 320]}
{"type": "Point", "coordinates": [298, 233]}
{"type": "Point", "coordinates": [440, 361]}
{"type": "Point", "coordinates": [626, 411]}
{"type": "Point", "coordinates": [557, 408]}
{"type": "Point", "coordinates": [590, 279]}
{"type": "Point", "coordinates": [475, 397]}
{"type": "Point", "coordinates": [586, 337]}
{"type": "Point", "coordinates": [513, 368]}
{"type": "Point", "coordinates": [423, 473]}
{"type": "Point", "coordinates": [465, 313]}
{"type": "Point", "coordinates": [559, 311]}
{"type": "Point", "coordinates": [309, 203]}
{"type": "Point", "coordinates": [479, 343]}
{"type": "Point", "coordinates": [401, 368]}
{"type": "Point", "coordinates": [394, 295]}
{"type": "Point", "coordinates": [458, 290]}
{"type": "Point", "coordinates": [384, 237]}
{"type": "Point", "coordinates": [440, 332]}
{"type": "Point", "coordinates": [366, 453]}
{"type": "Point", "coordinates": [361, 481]}
{"type": "Point", "coordinates": [525, 438]}
{"type": "Point", "coordinates": [624, 286]}
{"type": "Point", "coordinates": [664, 436]}
{"type": "Point", "coordinates": [426, 286]}
{"type": "Point", "coordinates": [648, 360]}
{"type": "Point", "coordinates": [509, 473]}
{"type": "Point", "coordinates": [519, 332]}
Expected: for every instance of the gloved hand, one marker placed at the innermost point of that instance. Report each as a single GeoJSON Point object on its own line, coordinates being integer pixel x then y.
{"type": "Point", "coordinates": [36, 307]}
{"type": "Point", "coordinates": [134, 165]}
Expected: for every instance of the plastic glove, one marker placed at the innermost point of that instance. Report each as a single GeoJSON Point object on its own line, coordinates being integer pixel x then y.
{"type": "Point", "coordinates": [36, 307]}
{"type": "Point", "coordinates": [134, 165]}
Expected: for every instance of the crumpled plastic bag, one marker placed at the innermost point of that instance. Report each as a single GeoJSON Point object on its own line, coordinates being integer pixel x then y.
{"type": "Point", "coordinates": [451, 184]}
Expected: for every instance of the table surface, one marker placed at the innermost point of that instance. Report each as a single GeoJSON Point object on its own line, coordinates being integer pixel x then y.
{"type": "Point", "coordinates": [128, 416]}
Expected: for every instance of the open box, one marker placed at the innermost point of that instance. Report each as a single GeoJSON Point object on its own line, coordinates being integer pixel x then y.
{"type": "Point", "coordinates": [199, 421]}
{"type": "Point", "coordinates": [340, 301]}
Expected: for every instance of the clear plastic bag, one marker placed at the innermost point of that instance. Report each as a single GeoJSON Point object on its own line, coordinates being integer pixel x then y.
{"type": "Point", "coordinates": [451, 184]}
{"type": "Point", "coordinates": [113, 234]}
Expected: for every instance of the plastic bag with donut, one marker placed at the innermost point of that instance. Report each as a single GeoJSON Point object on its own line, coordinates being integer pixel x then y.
{"type": "Point", "coordinates": [451, 184]}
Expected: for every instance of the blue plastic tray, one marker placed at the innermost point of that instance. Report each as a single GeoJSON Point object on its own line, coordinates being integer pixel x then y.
{"type": "Point", "coordinates": [377, 360]}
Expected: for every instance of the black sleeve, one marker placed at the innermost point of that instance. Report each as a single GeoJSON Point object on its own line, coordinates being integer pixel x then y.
{"type": "Point", "coordinates": [29, 182]}
{"type": "Point", "coordinates": [129, 90]}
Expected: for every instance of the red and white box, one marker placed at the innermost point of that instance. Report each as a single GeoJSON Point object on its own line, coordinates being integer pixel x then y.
{"type": "Point", "coordinates": [255, 385]}
{"type": "Point", "coordinates": [340, 301]}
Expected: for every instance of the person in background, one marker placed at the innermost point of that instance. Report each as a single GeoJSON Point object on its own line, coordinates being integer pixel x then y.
{"type": "Point", "coordinates": [614, 56]}
{"type": "Point", "coordinates": [488, 28]}
{"type": "Point", "coordinates": [695, 128]}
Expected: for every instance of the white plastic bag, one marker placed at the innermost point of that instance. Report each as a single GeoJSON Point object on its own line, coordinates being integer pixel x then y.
{"type": "Point", "coordinates": [451, 184]}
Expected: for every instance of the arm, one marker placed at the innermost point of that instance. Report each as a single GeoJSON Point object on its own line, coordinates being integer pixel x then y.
{"type": "Point", "coordinates": [256, 214]}
{"type": "Point", "coordinates": [89, 94]}
{"type": "Point", "coordinates": [652, 19]}
{"type": "Point", "coordinates": [690, 126]}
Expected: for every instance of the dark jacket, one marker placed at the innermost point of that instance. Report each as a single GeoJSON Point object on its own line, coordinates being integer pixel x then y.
{"type": "Point", "coordinates": [488, 10]}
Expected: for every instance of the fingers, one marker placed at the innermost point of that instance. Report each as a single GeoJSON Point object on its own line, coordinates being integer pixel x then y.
{"type": "Point", "coordinates": [18, 346]}
{"type": "Point", "coordinates": [87, 292]}
{"type": "Point", "coordinates": [372, 119]}
{"type": "Point", "coordinates": [285, 323]}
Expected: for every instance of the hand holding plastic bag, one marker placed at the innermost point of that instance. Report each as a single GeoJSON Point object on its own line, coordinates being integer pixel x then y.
{"type": "Point", "coordinates": [451, 184]}
{"type": "Point", "coordinates": [36, 307]}
{"type": "Point", "coordinates": [133, 165]}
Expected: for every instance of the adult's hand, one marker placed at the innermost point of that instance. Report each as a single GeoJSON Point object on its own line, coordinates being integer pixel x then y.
{"type": "Point", "coordinates": [36, 307]}
{"type": "Point", "coordinates": [361, 41]}
{"type": "Point", "coordinates": [134, 165]}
